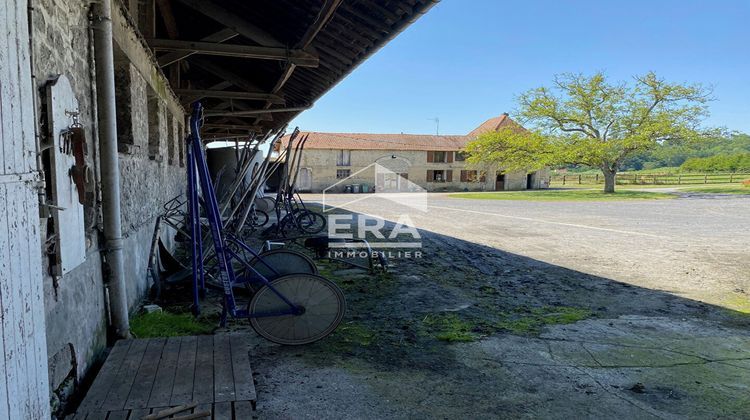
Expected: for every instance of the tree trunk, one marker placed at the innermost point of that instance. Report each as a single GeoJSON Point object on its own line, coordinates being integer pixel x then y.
{"type": "Point", "coordinates": [609, 180]}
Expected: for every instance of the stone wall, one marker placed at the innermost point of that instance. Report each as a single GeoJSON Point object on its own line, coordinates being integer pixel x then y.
{"type": "Point", "coordinates": [323, 169]}
{"type": "Point", "coordinates": [152, 172]}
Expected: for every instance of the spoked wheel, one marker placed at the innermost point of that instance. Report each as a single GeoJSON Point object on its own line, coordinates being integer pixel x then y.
{"type": "Point", "coordinates": [284, 262]}
{"type": "Point", "coordinates": [321, 303]}
{"type": "Point", "coordinates": [259, 218]}
{"type": "Point", "coordinates": [311, 222]}
{"type": "Point", "coordinates": [270, 204]}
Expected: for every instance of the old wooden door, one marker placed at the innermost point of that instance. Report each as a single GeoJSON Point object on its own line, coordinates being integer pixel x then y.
{"type": "Point", "coordinates": [24, 390]}
{"type": "Point", "coordinates": [500, 181]}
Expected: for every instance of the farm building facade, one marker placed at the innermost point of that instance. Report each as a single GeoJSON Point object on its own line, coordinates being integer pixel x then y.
{"type": "Point", "coordinates": [340, 162]}
{"type": "Point", "coordinates": [93, 122]}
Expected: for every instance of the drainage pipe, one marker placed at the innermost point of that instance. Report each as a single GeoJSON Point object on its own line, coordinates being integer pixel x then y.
{"type": "Point", "coordinates": [110, 169]}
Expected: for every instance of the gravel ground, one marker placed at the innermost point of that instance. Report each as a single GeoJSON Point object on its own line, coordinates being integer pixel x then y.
{"type": "Point", "coordinates": [634, 309]}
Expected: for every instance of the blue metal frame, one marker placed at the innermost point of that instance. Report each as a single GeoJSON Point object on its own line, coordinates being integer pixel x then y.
{"type": "Point", "coordinates": [198, 176]}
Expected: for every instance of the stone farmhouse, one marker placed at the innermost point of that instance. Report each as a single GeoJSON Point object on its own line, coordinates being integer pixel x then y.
{"type": "Point", "coordinates": [339, 162]}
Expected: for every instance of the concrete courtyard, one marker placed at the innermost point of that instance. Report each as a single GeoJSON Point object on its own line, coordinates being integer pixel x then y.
{"type": "Point", "coordinates": [633, 309]}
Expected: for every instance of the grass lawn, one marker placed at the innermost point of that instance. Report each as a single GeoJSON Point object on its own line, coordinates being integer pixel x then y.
{"type": "Point", "coordinates": [563, 195]}
{"type": "Point", "coordinates": [718, 189]}
{"type": "Point", "coordinates": [166, 324]}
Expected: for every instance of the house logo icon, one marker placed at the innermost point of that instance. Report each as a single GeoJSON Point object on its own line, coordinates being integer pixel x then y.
{"type": "Point", "coordinates": [376, 181]}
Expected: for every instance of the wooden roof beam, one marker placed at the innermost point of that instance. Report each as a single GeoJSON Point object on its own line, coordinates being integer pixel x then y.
{"type": "Point", "coordinates": [234, 21]}
{"type": "Point", "coordinates": [220, 36]}
{"type": "Point", "coordinates": [222, 113]}
{"type": "Point", "coordinates": [324, 16]}
{"type": "Point", "coordinates": [297, 57]}
{"type": "Point", "coordinates": [208, 93]}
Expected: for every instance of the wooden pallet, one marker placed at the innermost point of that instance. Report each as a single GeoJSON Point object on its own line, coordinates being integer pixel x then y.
{"type": "Point", "coordinates": [149, 375]}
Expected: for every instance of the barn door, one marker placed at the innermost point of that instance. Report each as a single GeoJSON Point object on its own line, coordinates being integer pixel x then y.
{"type": "Point", "coordinates": [24, 390]}
{"type": "Point", "coordinates": [304, 182]}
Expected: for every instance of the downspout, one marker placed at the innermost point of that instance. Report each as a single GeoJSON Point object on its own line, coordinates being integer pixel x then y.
{"type": "Point", "coordinates": [109, 167]}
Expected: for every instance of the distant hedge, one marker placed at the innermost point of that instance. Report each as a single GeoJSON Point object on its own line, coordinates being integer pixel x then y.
{"type": "Point", "coordinates": [737, 162]}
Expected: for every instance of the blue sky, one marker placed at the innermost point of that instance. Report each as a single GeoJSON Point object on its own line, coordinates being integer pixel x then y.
{"type": "Point", "coordinates": [467, 60]}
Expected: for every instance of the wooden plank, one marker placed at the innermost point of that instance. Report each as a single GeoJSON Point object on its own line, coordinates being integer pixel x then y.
{"type": "Point", "coordinates": [203, 388]}
{"type": "Point", "coordinates": [182, 391]}
{"type": "Point", "coordinates": [161, 393]}
{"type": "Point", "coordinates": [13, 309]}
{"type": "Point", "coordinates": [223, 376]}
{"type": "Point", "coordinates": [139, 413]}
{"type": "Point", "coordinates": [106, 377]}
{"type": "Point", "coordinates": [244, 387]}
{"type": "Point", "coordinates": [243, 410]}
{"type": "Point", "coordinates": [144, 379]}
{"type": "Point", "coordinates": [205, 407]}
{"type": "Point", "coordinates": [223, 410]}
{"type": "Point", "coordinates": [118, 415]}
{"type": "Point", "coordinates": [6, 318]}
{"type": "Point", "coordinates": [96, 415]}
{"type": "Point", "coordinates": [125, 376]}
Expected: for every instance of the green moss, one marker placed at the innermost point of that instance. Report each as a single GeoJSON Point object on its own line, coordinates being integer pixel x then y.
{"type": "Point", "coordinates": [532, 321]}
{"type": "Point", "coordinates": [449, 327]}
{"type": "Point", "coordinates": [738, 302]}
{"type": "Point", "coordinates": [350, 336]}
{"type": "Point", "coordinates": [166, 324]}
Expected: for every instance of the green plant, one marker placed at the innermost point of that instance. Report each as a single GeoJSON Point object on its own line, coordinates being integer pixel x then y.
{"type": "Point", "coordinates": [592, 121]}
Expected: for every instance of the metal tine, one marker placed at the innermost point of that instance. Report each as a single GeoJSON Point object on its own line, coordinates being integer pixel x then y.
{"type": "Point", "coordinates": [258, 184]}
{"type": "Point", "coordinates": [254, 183]}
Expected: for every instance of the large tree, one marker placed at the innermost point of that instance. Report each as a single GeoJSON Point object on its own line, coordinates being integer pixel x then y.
{"type": "Point", "coordinates": [590, 121]}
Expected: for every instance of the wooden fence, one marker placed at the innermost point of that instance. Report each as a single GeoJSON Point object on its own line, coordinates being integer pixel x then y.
{"type": "Point", "coordinates": [649, 179]}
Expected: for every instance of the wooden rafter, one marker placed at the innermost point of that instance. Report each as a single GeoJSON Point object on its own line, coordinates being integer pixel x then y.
{"type": "Point", "coordinates": [220, 36]}
{"type": "Point", "coordinates": [324, 16]}
{"type": "Point", "coordinates": [297, 57]}
{"type": "Point", "coordinates": [223, 113]}
{"type": "Point", "coordinates": [234, 21]}
{"type": "Point", "coordinates": [207, 93]}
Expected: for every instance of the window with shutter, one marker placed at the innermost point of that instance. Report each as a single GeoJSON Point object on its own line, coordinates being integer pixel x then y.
{"type": "Point", "coordinates": [448, 176]}
{"type": "Point", "coordinates": [430, 158]}
{"type": "Point", "coordinates": [343, 158]}
{"type": "Point", "coordinates": [449, 155]}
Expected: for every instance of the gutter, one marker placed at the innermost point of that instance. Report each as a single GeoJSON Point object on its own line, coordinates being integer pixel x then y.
{"type": "Point", "coordinates": [109, 167]}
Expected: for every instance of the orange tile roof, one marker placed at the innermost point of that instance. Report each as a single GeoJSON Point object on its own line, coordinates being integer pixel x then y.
{"type": "Point", "coordinates": [494, 124]}
{"type": "Point", "coordinates": [366, 141]}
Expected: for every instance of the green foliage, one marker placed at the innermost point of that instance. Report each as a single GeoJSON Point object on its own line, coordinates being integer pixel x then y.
{"type": "Point", "coordinates": [737, 162]}
{"type": "Point", "coordinates": [167, 324]}
{"type": "Point", "coordinates": [563, 195]}
{"type": "Point", "coordinates": [675, 153]}
{"type": "Point", "coordinates": [590, 121]}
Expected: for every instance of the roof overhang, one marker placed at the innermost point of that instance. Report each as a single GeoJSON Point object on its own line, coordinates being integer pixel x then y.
{"type": "Point", "coordinates": [256, 65]}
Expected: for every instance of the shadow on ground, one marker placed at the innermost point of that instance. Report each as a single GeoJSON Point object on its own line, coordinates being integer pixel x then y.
{"type": "Point", "coordinates": [472, 330]}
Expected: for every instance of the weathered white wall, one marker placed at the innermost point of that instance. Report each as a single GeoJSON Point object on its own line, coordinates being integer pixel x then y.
{"type": "Point", "coordinates": [75, 303]}
{"type": "Point", "coordinates": [24, 387]}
